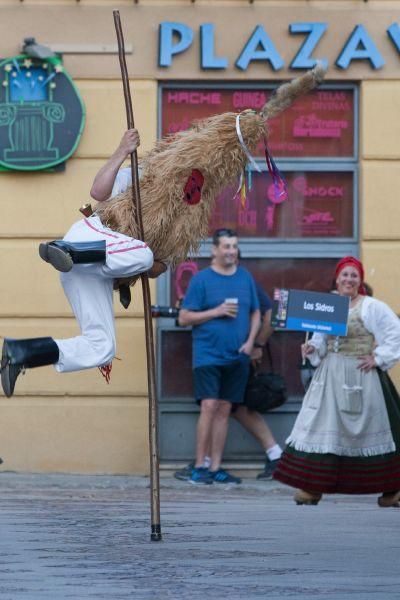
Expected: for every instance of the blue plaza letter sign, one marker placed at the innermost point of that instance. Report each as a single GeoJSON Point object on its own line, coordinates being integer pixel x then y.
{"type": "Point", "coordinates": [176, 38]}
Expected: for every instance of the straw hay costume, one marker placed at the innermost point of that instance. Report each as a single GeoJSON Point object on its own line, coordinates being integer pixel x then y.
{"type": "Point", "coordinates": [181, 177]}
{"type": "Point", "coordinates": [184, 173]}
{"type": "Point", "coordinates": [346, 438]}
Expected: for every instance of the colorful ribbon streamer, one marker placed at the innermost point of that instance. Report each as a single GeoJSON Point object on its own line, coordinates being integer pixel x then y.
{"type": "Point", "coordinates": [279, 184]}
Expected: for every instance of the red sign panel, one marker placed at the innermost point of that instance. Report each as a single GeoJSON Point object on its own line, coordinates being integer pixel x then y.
{"type": "Point", "coordinates": [319, 125]}
{"type": "Point", "coordinates": [319, 204]}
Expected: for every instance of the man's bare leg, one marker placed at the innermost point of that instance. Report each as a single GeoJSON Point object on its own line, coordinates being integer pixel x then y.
{"type": "Point", "coordinates": [254, 423]}
{"type": "Point", "coordinates": [208, 410]}
{"type": "Point", "coordinates": [219, 431]}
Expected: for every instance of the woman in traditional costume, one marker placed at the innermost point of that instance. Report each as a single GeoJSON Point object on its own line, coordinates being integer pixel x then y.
{"type": "Point", "coordinates": [346, 438]}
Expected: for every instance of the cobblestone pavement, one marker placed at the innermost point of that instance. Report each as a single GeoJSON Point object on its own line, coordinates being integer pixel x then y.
{"type": "Point", "coordinates": [88, 537]}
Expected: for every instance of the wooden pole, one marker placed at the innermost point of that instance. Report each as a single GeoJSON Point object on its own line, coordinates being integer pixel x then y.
{"type": "Point", "coordinates": [151, 371]}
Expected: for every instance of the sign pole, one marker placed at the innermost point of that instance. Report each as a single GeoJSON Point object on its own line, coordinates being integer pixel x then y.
{"type": "Point", "coordinates": [306, 342]}
{"type": "Point", "coordinates": [151, 378]}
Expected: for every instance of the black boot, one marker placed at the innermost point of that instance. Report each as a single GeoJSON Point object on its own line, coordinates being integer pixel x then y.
{"type": "Point", "coordinates": [18, 355]}
{"type": "Point", "coordinates": [63, 255]}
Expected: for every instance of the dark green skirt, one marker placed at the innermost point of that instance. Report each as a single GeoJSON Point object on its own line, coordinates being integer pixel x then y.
{"type": "Point", "coordinates": [329, 473]}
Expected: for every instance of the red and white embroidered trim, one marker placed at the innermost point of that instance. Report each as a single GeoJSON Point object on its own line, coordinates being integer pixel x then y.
{"type": "Point", "coordinates": [105, 370]}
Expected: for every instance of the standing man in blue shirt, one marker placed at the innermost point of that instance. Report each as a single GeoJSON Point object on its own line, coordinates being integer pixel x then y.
{"type": "Point", "coordinates": [221, 305]}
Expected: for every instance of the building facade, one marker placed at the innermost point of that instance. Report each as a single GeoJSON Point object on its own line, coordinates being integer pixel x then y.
{"type": "Point", "coordinates": [187, 59]}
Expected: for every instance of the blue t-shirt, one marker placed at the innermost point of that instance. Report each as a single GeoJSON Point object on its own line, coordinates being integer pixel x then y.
{"type": "Point", "coordinates": [217, 341]}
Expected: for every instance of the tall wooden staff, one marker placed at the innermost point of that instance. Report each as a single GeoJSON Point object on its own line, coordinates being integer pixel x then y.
{"type": "Point", "coordinates": [151, 377]}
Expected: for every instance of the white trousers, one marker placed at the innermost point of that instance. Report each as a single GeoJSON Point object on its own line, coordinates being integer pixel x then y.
{"type": "Point", "coordinates": [89, 289]}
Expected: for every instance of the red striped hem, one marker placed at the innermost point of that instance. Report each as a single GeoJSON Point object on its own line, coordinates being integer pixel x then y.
{"type": "Point", "coordinates": [116, 243]}
{"type": "Point", "coordinates": [371, 470]}
{"type": "Point", "coordinates": [355, 467]}
{"type": "Point", "coordinates": [336, 477]}
{"type": "Point", "coordinates": [113, 235]}
{"type": "Point", "coordinates": [333, 474]}
{"type": "Point", "coordinates": [337, 485]}
{"type": "Point", "coordinates": [128, 249]}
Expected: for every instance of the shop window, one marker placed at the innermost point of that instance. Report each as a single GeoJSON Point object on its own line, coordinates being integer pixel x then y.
{"type": "Point", "coordinates": [176, 380]}
{"type": "Point", "coordinates": [320, 205]}
{"type": "Point", "coordinates": [312, 274]}
{"type": "Point", "coordinates": [293, 244]}
{"type": "Point", "coordinates": [297, 273]}
{"type": "Point", "coordinates": [319, 125]}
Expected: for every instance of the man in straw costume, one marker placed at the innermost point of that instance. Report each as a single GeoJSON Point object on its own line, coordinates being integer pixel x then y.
{"type": "Point", "coordinates": [181, 177]}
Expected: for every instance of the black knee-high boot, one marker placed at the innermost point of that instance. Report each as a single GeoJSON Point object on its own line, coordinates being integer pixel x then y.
{"type": "Point", "coordinates": [18, 355]}
{"type": "Point", "coordinates": [63, 255]}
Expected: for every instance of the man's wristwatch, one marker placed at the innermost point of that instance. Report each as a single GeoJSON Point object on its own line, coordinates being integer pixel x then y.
{"type": "Point", "coordinates": [257, 345]}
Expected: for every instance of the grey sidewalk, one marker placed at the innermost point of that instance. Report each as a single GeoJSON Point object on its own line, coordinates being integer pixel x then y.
{"type": "Point", "coordinates": [87, 537]}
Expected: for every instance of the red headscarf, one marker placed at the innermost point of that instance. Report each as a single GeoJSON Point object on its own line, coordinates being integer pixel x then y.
{"type": "Point", "coordinates": [352, 262]}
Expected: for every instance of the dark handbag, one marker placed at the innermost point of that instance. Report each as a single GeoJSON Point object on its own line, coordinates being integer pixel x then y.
{"type": "Point", "coordinates": [265, 390]}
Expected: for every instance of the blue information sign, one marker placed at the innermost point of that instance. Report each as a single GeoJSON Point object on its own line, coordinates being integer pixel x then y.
{"type": "Point", "coordinates": [300, 310]}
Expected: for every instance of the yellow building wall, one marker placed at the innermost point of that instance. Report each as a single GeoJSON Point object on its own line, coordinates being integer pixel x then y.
{"type": "Point", "coordinates": [76, 422]}
{"type": "Point", "coordinates": [379, 197]}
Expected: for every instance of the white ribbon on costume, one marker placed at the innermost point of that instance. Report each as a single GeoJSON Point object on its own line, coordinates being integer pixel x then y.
{"type": "Point", "coordinates": [245, 149]}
